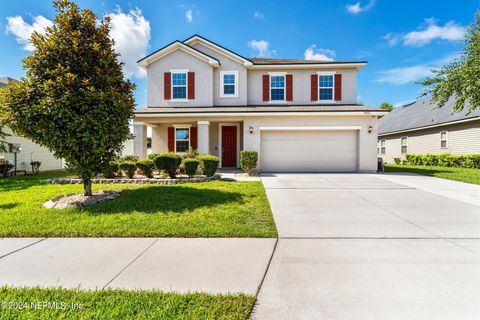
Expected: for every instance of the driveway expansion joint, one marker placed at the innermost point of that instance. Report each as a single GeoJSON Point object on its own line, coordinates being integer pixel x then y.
{"type": "Point", "coordinates": [24, 247]}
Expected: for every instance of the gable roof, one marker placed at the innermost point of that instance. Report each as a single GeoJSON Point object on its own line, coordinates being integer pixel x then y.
{"type": "Point", "coordinates": [218, 48]}
{"type": "Point", "coordinates": [422, 114]}
{"type": "Point", "coordinates": [173, 46]}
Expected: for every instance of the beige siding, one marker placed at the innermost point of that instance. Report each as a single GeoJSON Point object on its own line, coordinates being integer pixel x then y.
{"type": "Point", "coordinates": [31, 151]}
{"type": "Point", "coordinates": [462, 138]}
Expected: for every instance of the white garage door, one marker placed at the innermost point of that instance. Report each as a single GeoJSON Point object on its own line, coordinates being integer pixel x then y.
{"type": "Point", "coordinates": [308, 151]}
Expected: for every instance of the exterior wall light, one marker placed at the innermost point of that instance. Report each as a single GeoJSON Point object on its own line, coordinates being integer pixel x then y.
{"type": "Point", "coordinates": [251, 130]}
{"type": "Point", "coordinates": [370, 129]}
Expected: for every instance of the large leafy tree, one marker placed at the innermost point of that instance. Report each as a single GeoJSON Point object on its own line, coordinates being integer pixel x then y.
{"type": "Point", "coordinates": [74, 99]}
{"type": "Point", "coordinates": [460, 78]}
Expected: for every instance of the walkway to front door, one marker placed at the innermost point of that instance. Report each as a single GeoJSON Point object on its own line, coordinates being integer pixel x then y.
{"type": "Point", "coordinates": [229, 146]}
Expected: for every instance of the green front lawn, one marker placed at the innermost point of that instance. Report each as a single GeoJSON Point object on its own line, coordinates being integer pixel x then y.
{"type": "Point", "coordinates": [468, 175]}
{"type": "Point", "coordinates": [209, 209]}
{"type": "Point", "coordinates": [120, 304]}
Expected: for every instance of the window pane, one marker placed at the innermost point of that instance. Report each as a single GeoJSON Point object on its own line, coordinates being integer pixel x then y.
{"type": "Point", "coordinates": [182, 134]}
{"type": "Point", "coordinates": [277, 94]}
{"type": "Point", "coordinates": [179, 79]}
{"type": "Point", "coordinates": [229, 79]}
{"type": "Point", "coordinates": [443, 144]}
{"type": "Point", "coordinates": [325, 94]}
{"type": "Point", "coordinates": [382, 143]}
{"type": "Point", "coordinates": [179, 92]}
{"type": "Point", "coordinates": [382, 150]}
{"type": "Point", "coordinates": [403, 141]}
{"type": "Point", "coordinates": [325, 81]}
{"type": "Point", "coordinates": [443, 135]}
{"type": "Point", "coordinates": [229, 89]}
{"type": "Point", "coordinates": [277, 81]}
{"type": "Point", "coordinates": [404, 149]}
{"type": "Point", "coordinates": [182, 146]}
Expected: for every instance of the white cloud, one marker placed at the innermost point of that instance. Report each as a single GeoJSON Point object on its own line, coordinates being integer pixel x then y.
{"type": "Point", "coordinates": [131, 32]}
{"type": "Point", "coordinates": [314, 53]}
{"type": "Point", "coordinates": [189, 15]}
{"type": "Point", "coordinates": [261, 47]}
{"type": "Point", "coordinates": [357, 8]}
{"type": "Point", "coordinates": [391, 38]}
{"type": "Point", "coordinates": [403, 75]}
{"type": "Point", "coordinates": [258, 15]}
{"type": "Point", "coordinates": [23, 30]}
{"type": "Point", "coordinates": [431, 31]}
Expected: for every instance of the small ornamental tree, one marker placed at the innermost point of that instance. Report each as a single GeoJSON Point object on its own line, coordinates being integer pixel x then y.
{"type": "Point", "coordinates": [74, 99]}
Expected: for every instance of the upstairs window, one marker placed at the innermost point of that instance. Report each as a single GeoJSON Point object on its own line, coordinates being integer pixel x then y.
{"type": "Point", "coordinates": [179, 85]}
{"type": "Point", "coordinates": [277, 87]}
{"type": "Point", "coordinates": [443, 139]}
{"type": "Point", "coordinates": [182, 139]}
{"type": "Point", "coordinates": [229, 84]}
{"type": "Point", "coordinates": [403, 145]}
{"type": "Point", "coordinates": [325, 87]}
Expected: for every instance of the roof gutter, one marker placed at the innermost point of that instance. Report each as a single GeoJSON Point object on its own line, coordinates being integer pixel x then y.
{"type": "Point", "coordinates": [431, 126]}
{"type": "Point", "coordinates": [258, 114]}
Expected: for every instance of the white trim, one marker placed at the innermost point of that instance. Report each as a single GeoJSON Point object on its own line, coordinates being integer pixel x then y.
{"type": "Point", "coordinates": [228, 124]}
{"type": "Point", "coordinates": [446, 139]}
{"type": "Point", "coordinates": [257, 114]}
{"type": "Point", "coordinates": [277, 74]}
{"type": "Point", "coordinates": [139, 123]}
{"type": "Point", "coordinates": [311, 128]}
{"type": "Point", "coordinates": [318, 87]}
{"type": "Point", "coordinates": [177, 45]}
{"type": "Point", "coordinates": [204, 122]}
{"type": "Point", "coordinates": [196, 39]}
{"type": "Point", "coordinates": [326, 73]}
{"type": "Point", "coordinates": [222, 84]}
{"type": "Point", "coordinates": [430, 126]}
{"type": "Point", "coordinates": [406, 144]}
{"type": "Point", "coordinates": [179, 71]}
{"type": "Point", "coordinates": [181, 125]}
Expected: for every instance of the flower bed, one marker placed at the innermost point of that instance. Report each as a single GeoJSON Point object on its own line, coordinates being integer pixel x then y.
{"type": "Point", "coordinates": [154, 180]}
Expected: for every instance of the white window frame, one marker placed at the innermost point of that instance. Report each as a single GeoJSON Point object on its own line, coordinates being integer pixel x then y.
{"type": "Point", "coordinates": [406, 145]}
{"type": "Point", "coordinates": [186, 84]}
{"type": "Point", "coordinates": [384, 151]}
{"type": "Point", "coordinates": [446, 139]}
{"type": "Point", "coordinates": [222, 84]}
{"type": "Point", "coordinates": [284, 75]}
{"type": "Point", "coordinates": [322, 73]}
{"type": "Point", "coordinates": [181, 126]}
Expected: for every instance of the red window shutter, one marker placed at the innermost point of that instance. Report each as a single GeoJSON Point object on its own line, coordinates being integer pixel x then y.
{"type": "Point", "coordinates": [289, 80]}
{"type": "Point", "coordinates": [266, 87]}
{"type": "Point", "coordinates": [191, 85]}
{"type": "Point", "coordinates": [338, 87]}
{"type": "Point", "coordinates": [194, 137]}
{"type": "Point", "coordinates": [314, 87]}
{"type": "Point", "coordinates": [167, 85]}
{"type": "Point", "coordinates": [171, 139]}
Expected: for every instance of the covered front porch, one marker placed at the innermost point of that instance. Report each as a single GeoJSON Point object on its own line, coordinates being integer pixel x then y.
{"type": "Point", "coordinates": [222, 138]}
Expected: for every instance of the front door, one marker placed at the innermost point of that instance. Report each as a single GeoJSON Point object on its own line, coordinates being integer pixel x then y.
{"type": "Point", "coordinates": [229, 146]}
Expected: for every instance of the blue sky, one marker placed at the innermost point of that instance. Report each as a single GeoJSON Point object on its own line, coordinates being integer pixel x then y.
{"type": "Point", "coordinates": [401, 40]}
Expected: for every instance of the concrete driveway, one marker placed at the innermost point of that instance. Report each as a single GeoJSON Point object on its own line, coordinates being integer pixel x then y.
{"type": "Point", "coordinates": [359, 246]}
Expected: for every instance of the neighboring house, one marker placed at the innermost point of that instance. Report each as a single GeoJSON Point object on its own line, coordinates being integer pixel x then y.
{"type": "Point", "coordinates": [299, 115]}
{"type": "Point", "coordinates": [30, 151]}
{"type": "Point", "coordinates": [420, 128]}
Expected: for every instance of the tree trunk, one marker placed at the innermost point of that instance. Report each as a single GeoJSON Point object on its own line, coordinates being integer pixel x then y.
{"type": "Point", "coordinates": [87, 187]}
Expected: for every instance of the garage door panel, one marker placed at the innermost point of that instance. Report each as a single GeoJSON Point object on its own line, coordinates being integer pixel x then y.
{"type": "Point", "coordinates": [308, 151]}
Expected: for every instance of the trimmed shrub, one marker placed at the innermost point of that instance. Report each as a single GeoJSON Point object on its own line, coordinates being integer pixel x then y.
{"type": "Point", "coordinates": [152, 155]}
{"type": "Point", "coordinates": [209, 164]}
{"type": "Point", "coordinates": [168, 162]}
{"type": "Point", "coordinates": [191, 153]}
{"type": "Point", "coordinates": [130, 158]}
{"type": "Point", "coordinates": [248, 161]}
{"type": "Point", "coordinates": [191, 166]}
{"type": "Point", "coordinates": [444, 160]}
{"type": "Point", "coordinates": [110, 169]}
{"type": "Point", "coordinates": [5, 168]}
{"type": "Point", "coordinates": [146, 166]}
{"type": "Point", "coordinates": [35, 166]}
{"type": "Point", "coordinates": [397, 160]}
{"type": "Point", "coordinates": [128, 167]}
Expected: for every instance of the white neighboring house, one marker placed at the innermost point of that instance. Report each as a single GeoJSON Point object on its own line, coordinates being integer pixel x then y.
{"type": "Point", "coordinates": [30, 151]}
{"type": "Point", "coordinates": [299, 115]}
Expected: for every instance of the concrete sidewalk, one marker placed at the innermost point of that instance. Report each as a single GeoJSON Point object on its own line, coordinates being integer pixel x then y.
{"type": "Point", "coordinates": [213, 265]}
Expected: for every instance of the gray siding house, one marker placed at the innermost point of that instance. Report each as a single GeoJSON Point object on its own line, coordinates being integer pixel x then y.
{"type": "Point", "coordinates": [420, 128]}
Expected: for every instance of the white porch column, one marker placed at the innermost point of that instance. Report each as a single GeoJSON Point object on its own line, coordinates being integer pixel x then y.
{"type": "Point", "coordinates": [140, 140]}
{"type": "Point", "coordinates": [203, 137]}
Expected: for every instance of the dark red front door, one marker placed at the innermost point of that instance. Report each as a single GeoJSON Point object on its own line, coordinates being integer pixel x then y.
{"type": "Point", "coordinates": [229, 146]}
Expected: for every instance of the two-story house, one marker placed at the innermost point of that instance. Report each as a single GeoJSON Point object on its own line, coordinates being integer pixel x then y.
{"type": "Point", "coordinates": [299, 115]}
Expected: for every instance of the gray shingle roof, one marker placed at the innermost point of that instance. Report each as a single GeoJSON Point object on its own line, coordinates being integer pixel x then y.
{"type": "Point", "coordinates": [421, 113]}
{"type": "Point", "coordinates": [4, 81]}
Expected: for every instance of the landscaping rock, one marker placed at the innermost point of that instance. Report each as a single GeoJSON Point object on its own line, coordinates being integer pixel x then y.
{"type": "Point", "coordinates": [79, 200]}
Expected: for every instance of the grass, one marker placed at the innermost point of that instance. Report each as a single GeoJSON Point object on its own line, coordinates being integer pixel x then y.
{"type": "Point", "coordinates": [468, 175]}
{"type": "Point", "coordinates": [209, 209]}
{"type": "Point", "coordinates": [121, 304]}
